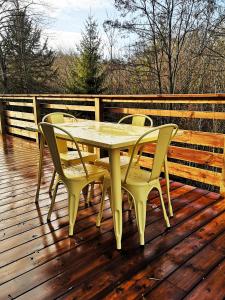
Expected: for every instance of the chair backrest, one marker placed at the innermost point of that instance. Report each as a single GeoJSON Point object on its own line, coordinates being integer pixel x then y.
{"type": "Point", "coordinates": [48, 131]}
{"type": "Point", "coordinates": [57, 118]}
{"type": "Point", "coordinates": [165, 134]}
{"type": "Point", "coordinates": [137, 119]}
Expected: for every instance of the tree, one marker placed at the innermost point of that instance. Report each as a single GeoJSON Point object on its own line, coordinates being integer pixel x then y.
{"type": "Point", "coordinates": [5, 10]}
{"type": "Point", "coordinates": [86, 75]}
{"type": "Point", "coordinates": [28, 60]}
{"type": "Point", "coordinates": [165, 31]}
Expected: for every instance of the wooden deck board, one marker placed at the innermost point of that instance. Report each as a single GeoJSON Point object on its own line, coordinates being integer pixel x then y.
{"type": "Point", "coordinates": [39, 261]}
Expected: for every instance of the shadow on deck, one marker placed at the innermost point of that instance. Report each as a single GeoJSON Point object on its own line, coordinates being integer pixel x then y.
{"type": "Point", "coordinates": [39, 261]}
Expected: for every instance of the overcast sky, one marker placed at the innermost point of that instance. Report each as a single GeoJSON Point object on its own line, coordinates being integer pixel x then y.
{"type": "Point", "coordinates": [68, 17]}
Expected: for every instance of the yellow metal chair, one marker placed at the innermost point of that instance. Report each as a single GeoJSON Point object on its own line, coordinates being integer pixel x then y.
{"type": "Point", "coordinates": [137, 120]}
{"type": "Point", "coordinates": [138, 183]}
{"type": "Point", "coordinates": [67, 157]}
{"type": "Point", "coordinates": [74, 177]}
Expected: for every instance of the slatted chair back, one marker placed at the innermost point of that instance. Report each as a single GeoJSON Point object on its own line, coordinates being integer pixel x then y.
{"type": "Point", "coordinates": [58, 118]}
{"type": "Point", "coordinates": [137, 120]}
{"type": "Point", "coordinates": [165, 134]}
{"type": "Point", "coordinates": [49, 131]}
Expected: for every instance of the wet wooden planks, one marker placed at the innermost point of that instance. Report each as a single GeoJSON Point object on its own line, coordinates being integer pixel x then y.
{"type": "Point", "coordinates": [39, 261]}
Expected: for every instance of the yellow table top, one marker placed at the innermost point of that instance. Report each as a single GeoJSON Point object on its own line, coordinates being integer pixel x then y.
{"type": "Point", "coordinates": [107, 135]}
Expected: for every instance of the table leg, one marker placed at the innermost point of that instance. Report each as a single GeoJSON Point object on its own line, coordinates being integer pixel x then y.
{"type": "Point", "coordinates": [116, 199]}
{"type": "Point", "coordinates": [40, 166]}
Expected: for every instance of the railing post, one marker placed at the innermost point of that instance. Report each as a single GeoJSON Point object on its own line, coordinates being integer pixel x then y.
{"type": "Point", "coordinates": [2, 117]}
{"type": "Point", "coordinates": [37, 114]}
{"type": "Point", "coordinates": [98, 109]}
{"type": "Point", "coordinates": [222, 181]}
{"type": "Point", "coordinates": [98, 117]}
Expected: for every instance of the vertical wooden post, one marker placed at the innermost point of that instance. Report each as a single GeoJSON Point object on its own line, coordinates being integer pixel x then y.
{"type": "Point", "coordinates": [37, 114]}
{"type": "Point", "coordinates": [2, 117]}
{"type": "Point", "coordinates": [98, 109]}
{"type": "Point", "coordinates": [222, 181]}
{"type": "Point", "coordinates": [98, 117]}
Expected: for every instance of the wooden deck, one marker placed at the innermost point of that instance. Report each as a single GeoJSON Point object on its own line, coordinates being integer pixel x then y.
{"type": "Point", "coordinates": [39, 261]}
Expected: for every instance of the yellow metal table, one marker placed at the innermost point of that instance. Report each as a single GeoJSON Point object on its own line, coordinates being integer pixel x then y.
{"type": "Point", "coordinates": [112, 137]}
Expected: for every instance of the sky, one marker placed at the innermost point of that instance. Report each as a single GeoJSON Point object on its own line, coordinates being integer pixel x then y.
{"type": "Point", "coordinates": [67, 19]}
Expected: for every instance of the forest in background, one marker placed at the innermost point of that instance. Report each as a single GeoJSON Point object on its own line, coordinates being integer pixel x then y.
{"type": "Point", "coordinates": [175, 46]}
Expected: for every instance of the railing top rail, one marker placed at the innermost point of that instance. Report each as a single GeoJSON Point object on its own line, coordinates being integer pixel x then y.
{"type": "Point", "coordinates": [148, 98]}
{"type": "Point", "coordinates": [142, 96]}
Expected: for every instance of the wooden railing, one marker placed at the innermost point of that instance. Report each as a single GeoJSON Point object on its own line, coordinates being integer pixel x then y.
{"type": "Point", "coordinates": [197, 155]}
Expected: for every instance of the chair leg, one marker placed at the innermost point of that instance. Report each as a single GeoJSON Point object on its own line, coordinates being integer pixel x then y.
{"type": "Point", "coordinates": [140, 204]}
{"type": "Point", "coordinates": [100, 213]}
{"type": "Point", "coordinates": [85, 194]}
{"type": "Point", "coordinates": [52, 182]}
{"type": "Point", "coordinates": [130, 201]}
{"type": "Point", "coordinates": [73, 208]}
{"type": "Point", "coordinates": [53, 201]}
{"type": "Point", "coordinates": [170, 208]}
{"type": "Point", "coordinates": [163, 206]}
{"type": "Point", "coordinates": [90, 194]}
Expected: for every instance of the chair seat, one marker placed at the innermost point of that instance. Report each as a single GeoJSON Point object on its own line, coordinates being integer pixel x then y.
{"type": "Point", "coordinates": [136, 177]}
{"type": "Point", "coordinates": [77, 171]}
{"type": "Point", "coordinates": [124, 161]}
{"type": "Point", "coordinates": [73, 156]}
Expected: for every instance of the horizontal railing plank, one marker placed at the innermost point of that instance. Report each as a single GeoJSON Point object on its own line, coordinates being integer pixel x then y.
{"type": "Point", "coordinates": [192, 155]}
{"type": "Point", "coordinates": [23, 104]}
{"type": "Point", "coordinates": [19, 123]}
{"type": "Point", "coordinates": [170, 113]}
{"type": "Point", "coordinates": [166, 101]}
{"type": "Point", "coordinates": [148, 98]}
{"type": "Point", "coordinates": [201, 138]}
{"type": "Point", "coordinates": [70, 107]}
{"type": "Point", "coordinates": [22, 132]}
{"type": "Point", "coordinates": [197, 174]}
{"type": "Point", "coordinates": [64, 98]}
{"type": "Point", "coordinates": [20, 115]}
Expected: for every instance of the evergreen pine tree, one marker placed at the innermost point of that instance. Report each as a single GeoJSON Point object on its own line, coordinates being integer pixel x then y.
{"type": "Point", "coordinates": [86, 75]}
{"type": "Point", "coordinates": [29, 61]}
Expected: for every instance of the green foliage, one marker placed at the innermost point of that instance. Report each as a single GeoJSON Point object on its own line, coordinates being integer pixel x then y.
{"type": "Point", "coordinates": [86, 74]}
{"type": "Point", "coordinates": [29, 61]}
